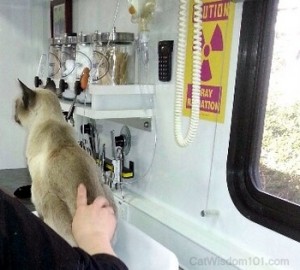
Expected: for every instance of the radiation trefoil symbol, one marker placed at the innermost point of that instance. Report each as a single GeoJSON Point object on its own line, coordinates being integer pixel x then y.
{"type": "Point", "coordinates": [215, 44]}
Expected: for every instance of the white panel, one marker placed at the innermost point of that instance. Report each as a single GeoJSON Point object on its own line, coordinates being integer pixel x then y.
{"type": "Point", "coordinates": [92, 15]}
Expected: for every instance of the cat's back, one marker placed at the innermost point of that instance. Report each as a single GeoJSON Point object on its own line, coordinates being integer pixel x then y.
{"type": "Point", "coordinates": [50, 134]}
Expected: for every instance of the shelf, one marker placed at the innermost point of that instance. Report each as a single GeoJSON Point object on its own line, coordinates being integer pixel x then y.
{"type": "Point", "coordinates": [87, 111]}
{"type": "Point", "coordinates": [131, 104]}
{"type": "Point", "coordinates": [129, 89]}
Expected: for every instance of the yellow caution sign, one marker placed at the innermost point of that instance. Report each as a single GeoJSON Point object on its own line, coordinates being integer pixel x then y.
{"type": "Point", "coordinates": [216, 33]}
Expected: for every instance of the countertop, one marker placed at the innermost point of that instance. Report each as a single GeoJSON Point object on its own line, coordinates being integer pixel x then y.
{"type": "Point", "coordinates": [12, 179]}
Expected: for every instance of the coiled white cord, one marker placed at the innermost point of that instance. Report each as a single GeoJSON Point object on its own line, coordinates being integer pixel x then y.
{"type": "Point", "coordinates": [180, 72]}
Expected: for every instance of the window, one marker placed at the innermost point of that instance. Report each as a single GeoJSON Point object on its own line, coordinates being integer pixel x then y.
{"type": "Point", "coordinates": [263, 166]}
{"type": "Point", "coordinates": [280, 151]}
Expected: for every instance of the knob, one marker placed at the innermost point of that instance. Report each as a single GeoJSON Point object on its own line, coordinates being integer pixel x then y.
{"type": "Point", "coordinates": [63, 85]}
{"type": "Point", "coordinates": [37, 81]}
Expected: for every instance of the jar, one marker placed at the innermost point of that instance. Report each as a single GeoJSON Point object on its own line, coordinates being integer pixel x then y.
{"type": "Point", "coordinates": [84, 54]}
{"type": "Point", "coordinates": [68, 55]}
{"type": "Point", "coordinates": [54, 58]}
{"type": "Point", "coordinates": [114, 58]}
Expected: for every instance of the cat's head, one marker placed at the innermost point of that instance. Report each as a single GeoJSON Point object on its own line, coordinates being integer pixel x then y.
{"type": "Point", "coordinates": [36, 105]}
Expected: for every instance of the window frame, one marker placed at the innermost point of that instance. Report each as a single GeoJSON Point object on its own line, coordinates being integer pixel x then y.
{"type": "Point", "coordinates": [252, 79]}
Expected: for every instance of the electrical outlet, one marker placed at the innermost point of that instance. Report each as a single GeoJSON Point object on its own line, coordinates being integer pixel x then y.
{"type": "Point", "coordinates": [122, 210]}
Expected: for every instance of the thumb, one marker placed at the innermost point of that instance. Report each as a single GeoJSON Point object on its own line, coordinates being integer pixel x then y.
{"type": "Point", "coordinates": [81, 196]}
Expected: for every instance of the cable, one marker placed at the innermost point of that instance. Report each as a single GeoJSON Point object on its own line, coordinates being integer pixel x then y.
{"type": "Point", "coordinates": [196, 77]}
{"type": "Point", "coordinates": [207, 211]}
{"type": "Point", "coordinates": [116, 14]}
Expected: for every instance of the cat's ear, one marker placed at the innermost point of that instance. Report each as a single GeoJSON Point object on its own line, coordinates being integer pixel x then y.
{"type": "Point", "coordinates": [29, 95]}
{"type": "Point", "coordinates": [50, 85]}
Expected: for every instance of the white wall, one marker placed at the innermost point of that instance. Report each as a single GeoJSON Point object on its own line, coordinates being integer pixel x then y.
{"type": "Point", "coordinates": [166, 200]}
{"type": "Point", "coordinates": [22, 40]}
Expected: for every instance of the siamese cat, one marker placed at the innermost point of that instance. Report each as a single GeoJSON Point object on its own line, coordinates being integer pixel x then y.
{"type": "Point", "coordinates": [57, 164]}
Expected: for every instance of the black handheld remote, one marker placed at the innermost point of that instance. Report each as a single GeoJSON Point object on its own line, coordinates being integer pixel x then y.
{"type": "Point", "coordinates": [165, 49]}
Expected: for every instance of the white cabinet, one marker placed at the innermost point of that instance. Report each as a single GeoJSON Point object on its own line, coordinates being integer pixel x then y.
{"type": "Point", "coordinates": [118, 102]}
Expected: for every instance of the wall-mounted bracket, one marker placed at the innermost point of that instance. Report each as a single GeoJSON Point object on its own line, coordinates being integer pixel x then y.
{"type": "Point", "coordinates": [139, 123]}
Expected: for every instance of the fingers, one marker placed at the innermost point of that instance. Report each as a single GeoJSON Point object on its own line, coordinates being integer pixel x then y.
{"type": "Point", "coordinates": [101, 202]}
{"type": "Point", "coordinates": [111, 210]}
{"type": "Point", "coordinates": [81, 196]}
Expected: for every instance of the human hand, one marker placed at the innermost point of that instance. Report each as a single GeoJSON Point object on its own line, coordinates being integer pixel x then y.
{"type": "Point", "coordinates": [93, 225]}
